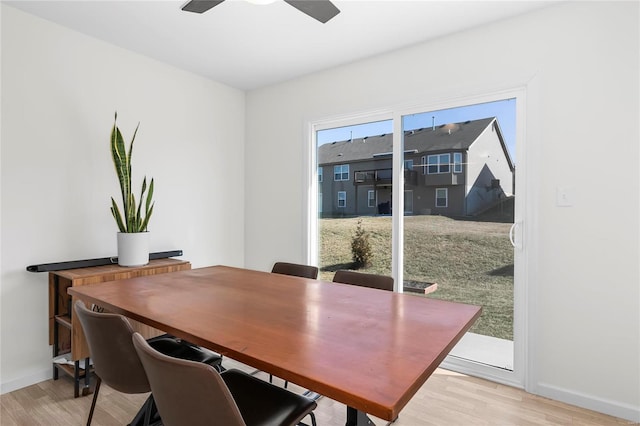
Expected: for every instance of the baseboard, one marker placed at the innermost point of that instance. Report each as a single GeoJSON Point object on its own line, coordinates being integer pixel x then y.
{"type": "Point", "coordinates": [23, 382]}
{"type": "Point", "coordinates": [590, 402]}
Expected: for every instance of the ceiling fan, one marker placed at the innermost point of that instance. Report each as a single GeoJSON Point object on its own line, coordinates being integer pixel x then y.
{"type": "Point", "coordinates": [321, 10]}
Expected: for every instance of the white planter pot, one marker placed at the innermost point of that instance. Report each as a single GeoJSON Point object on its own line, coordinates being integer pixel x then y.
{"type": "Point", "coordinates": [133, 248]}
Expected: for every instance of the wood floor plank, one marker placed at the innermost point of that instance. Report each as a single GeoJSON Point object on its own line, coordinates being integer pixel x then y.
{"type": "Point", "coordinates": [446, 399]}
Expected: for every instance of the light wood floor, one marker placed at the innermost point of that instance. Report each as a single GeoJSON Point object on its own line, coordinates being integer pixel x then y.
{"type": "Point", "coordinates": [446, 399]}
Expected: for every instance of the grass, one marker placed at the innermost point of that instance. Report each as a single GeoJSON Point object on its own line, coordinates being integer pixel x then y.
{"type": "Point", "coordinates": [472, 262]}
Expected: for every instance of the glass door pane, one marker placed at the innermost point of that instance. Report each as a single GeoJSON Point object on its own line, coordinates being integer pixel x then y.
{"type": "Point", "coordinates": [456, 236]}
{"type": "Point", "coordinates": [355, 195]}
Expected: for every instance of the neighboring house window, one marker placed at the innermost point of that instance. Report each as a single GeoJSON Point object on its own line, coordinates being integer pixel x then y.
{"type": "Point", "coordinates": [408, 202]}
{"type": "Point", "coordinates": [342, 198]}
{"type": "Point", "coordinates": [319, 202]}
{"type": "Point", "coordinates": [442, 197]}
{"type": "Point", "coordinates": [408, 164]}
{"type": "Point", "coordinates": [423, 162]}
{"type": "Point", "coordinates": [371, 198]}
{"type": "Point", "coordinates": [438, 163]}
{"type": "Point", "coordinates": [457, 162]}
{"type": "Point", "coordinates": [319, 174]}
{"type": "Point", "coordinates": [341, 172]}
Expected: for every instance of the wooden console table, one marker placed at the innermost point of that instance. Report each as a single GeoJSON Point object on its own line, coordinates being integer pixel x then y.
{"type": "Point", "coordinates": [65, 333]}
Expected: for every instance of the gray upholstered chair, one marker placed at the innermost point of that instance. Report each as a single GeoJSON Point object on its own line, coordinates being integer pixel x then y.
{"type": "Point", "coordinates": [116, 362]}
{"type": "Point", "coordinates": [381, 282]}
{"type": "Point", "coordinates": [191, 393]}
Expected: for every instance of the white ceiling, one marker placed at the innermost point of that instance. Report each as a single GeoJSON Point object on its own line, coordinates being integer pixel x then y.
{"type": "Point", "coordinates": [249, 46]}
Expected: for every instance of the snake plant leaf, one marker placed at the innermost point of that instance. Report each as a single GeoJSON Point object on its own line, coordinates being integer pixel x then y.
{"type": "Point", "coordinates": [133, 138]}
{"type": "Point", "coordinates": [120, 161]}
{"type": "Point", "coordinates": [132, 220]}
{"type": "Point", "coordinates": [145, 223]}
{"type": "Point", "coordinates": [131, 213]}
{"type": "Point", "coordinates": [115, 211]}
{"type": "Point", "coordinates": [138, 217]}
{"type": "Point", "coordinates": [149, 197]}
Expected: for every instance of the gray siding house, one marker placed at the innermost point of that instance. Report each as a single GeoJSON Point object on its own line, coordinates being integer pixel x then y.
{"type": "Point", "coordinates": [457, 169]}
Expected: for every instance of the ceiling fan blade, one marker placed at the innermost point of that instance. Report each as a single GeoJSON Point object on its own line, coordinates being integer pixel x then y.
{"type": "Point", "coordinates": [200, 6]}
{"type": "Point", "coordinates": [321, 10]}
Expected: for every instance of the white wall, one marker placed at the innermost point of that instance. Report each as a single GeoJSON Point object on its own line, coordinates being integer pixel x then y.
{"type": "Point", "coordinates": [59, 93]}
{"type": "Point", "coordinates": [579, 62]}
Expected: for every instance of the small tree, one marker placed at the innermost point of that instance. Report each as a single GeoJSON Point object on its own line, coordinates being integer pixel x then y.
{"type": "Point", "coordinates": [360, 247]}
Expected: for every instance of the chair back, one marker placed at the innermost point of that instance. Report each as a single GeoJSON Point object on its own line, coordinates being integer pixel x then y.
{"type": "Point", "coordinates": [187, 392]}
{"type": "Point", "coordinates": [304, 271]}
{"type": "Point", "coordinates": [362, 279]}
{"type": "Point", "coordinates": [115, 359]}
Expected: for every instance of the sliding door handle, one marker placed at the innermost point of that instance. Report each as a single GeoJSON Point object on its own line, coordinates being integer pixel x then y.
{"type": "Point", "coordinates": [512, 235]}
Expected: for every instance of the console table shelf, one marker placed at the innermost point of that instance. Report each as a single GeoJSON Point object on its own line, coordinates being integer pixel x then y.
{"type": "Point", "coordinates": [65, 333]}
{"type": "Point", "coordinates": [64, 320]}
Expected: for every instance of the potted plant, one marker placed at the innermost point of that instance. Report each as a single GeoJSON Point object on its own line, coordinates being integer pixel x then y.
{"type": "Point", "coordinates": [133, 238]}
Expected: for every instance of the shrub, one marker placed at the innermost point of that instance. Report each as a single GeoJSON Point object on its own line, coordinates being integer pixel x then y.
{"type": "Point", "coordinates": [361, 247]}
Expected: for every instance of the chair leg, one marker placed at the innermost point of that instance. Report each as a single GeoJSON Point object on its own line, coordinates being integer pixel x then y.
{"type": "Point", "coordinates": [149, 411]}
{"type": "Point", "coordinates": [95, 398]}
{"type": "Point", "coordinates": [313, 420]}
{"type": "Point", "coordinates": [143, 415]}
{"type": "Point", "coordinates": [219, 368]}
{"type": "Point", "coordinates": [286, 383]}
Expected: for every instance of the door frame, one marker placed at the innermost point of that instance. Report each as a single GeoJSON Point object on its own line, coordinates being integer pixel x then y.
{"type": "Point", "coordinates": [524, 218]}
{"type": "Point", "coordinates": [517, 376]}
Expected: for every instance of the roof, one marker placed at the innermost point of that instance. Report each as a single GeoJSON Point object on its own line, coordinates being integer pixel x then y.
{"type": "Point", "coordinates": [447, 137]}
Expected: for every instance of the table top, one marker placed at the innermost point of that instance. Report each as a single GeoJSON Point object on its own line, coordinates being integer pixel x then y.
{"type": "Point", "coordinates": [369, 349]}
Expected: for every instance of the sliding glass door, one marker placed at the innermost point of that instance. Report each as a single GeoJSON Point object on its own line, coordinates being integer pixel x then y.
{"type": "Point", "coordinates": [456, 238]}
{"type": "Point", "coordinates": [354, 187]}
{"type": "Point", "coordinates": [429, 195]}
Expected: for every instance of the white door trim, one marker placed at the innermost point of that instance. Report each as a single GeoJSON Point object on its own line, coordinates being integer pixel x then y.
{"type": "Point", "coordinates": [523, 374]}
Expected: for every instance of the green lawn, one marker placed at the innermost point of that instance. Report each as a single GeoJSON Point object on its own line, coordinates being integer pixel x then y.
{"type": "Point", "coordinates": [472, 262]}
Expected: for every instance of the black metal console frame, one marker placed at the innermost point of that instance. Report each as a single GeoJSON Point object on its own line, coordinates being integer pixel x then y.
{"type": "Point", "coordinates": [76, 363]}
{"type": "Point", "coordinates": [101, 261]}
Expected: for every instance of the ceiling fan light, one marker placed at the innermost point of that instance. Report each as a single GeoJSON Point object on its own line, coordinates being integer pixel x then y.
{"type": "Point", "coordinates": [261, 2]}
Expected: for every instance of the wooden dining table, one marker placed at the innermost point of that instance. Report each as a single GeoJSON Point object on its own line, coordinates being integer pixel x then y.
{"type": "Point", "coordinates": [369, 349]}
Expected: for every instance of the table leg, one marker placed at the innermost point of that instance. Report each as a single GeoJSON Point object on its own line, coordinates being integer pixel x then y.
{"type": "Point", "coordinates": [86, 390]}
{"type": "Point", "coordinates": [357, 418]}
{"type": "Point", "coordinates": [76, 379]}
{"type": "Point", "coordinates": [87, 372]}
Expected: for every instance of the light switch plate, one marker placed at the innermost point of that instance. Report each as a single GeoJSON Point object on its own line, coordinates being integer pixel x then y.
{"type": "Point", "coordinates": [564, 196]}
